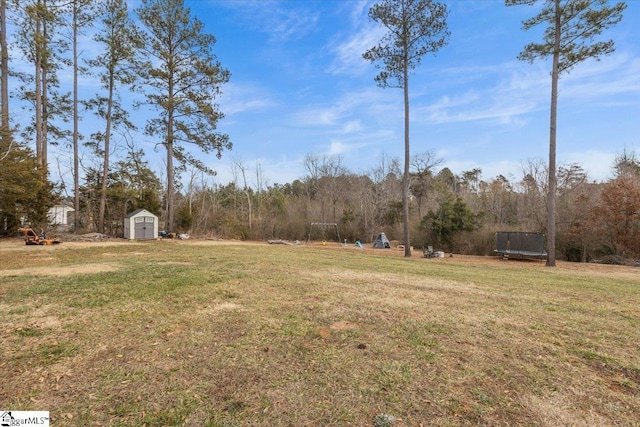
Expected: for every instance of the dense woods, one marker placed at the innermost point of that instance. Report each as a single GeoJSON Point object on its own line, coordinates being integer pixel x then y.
{"type": "Point", "coordinates": [454, 211]}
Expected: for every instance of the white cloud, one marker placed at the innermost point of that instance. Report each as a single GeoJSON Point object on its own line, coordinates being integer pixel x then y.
{"type": "Point", "coordinates": [359, 10]}
{"type": "Point", "coordinates": [340, 113]}
{"type": "Point", "coordinates": [273, 170]}
{"type": "Point", "coordinates": [348, 53]}
{"type": "Point", "coordinates": [242, 98]}
{"type": "Point", "coordinates": [615, 75]}
{"type": "Point", "coordinates": [597, 163]}
{"type": "Point", "coordinates": [338, 147]}
{"type": "Point", "coordinates": [291, 24]}
{"type": "Point", "coordinates": [316, 117]}
{"type": "Point", "coordinates": [520, 92]}
{"type": "Point", "coordinates": [277, 19]}
{"type": "Point", "coordinates": [525, 89]}
{"type": "Point", "coordinates": [348, 46]}
{"type": "Point", "coordinates": [352, 126]}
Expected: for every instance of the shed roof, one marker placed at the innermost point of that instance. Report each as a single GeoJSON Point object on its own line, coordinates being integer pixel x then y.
{"type": "Point", "coordinates": [64, 206]}
{"type": "Point", "coordinates": [139, 211]}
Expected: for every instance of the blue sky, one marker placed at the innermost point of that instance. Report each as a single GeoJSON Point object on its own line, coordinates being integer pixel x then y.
{"type": "Point", "coordinates": [300, 86]}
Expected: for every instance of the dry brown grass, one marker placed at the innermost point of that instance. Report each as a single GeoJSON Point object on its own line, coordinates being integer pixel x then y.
{"type": "Point", "coordinates": [205, 333]}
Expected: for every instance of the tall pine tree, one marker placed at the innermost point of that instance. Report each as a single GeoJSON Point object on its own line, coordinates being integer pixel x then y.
{"type": "Point", "coordinates": [183, 78]}
{"type": "Point", "coordinates": [569, 38]}
{"type": "Point", "coordinates": [415, 28]}
{"type": "Point", "coordinates": [121, 40]}
{"type": "Point", "coordinates": [38, 24]}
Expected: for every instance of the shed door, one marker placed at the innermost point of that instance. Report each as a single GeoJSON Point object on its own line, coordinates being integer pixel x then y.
{"type": "Point", "coordinates": [144, 227]}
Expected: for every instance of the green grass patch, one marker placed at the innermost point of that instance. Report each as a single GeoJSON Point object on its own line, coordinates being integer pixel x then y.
{"type": "Point", "coordinates": [230, 334]}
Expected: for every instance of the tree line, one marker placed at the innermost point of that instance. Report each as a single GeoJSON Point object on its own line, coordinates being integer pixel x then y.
{"type": "Point", "coordinates": [453, 212]}
{"type": "Point", "coordinates": [415, 28]}
{"type": "Point", "coordinates": [166, 59]}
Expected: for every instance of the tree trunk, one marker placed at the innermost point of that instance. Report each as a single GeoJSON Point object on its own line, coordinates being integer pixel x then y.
{"type": "Point", "coordinates": [551, 195]}
{"type": "Point", "coordinates": [4, 70]}
{"type": "Point", "coordinates": [107, 143]}
{"type": "Point", "coordinates": [407, 159]}
{"type": "Point", "coordinates": [170, 171]}
{"type": "Point", "coordinates": [44, 90]}
{"type": "Point", "coordinates": [76, 162]}
{"type": "Point", "coordinates": [38, 90]}
{"type": "Point", "coordinates": [170, 188]}
{"type": "Point", "coordinates": [249, 203]}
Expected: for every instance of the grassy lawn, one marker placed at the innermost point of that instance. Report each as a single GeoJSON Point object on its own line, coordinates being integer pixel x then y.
{"type": "Point", "coordinates": [199, 333]}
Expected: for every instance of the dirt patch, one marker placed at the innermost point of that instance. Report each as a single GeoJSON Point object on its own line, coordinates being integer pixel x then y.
{"type": "Point", "coordinates": [18, 245]}
{"type": "Point", "coordinates": [176, 263]}
{"type": "Point", "coordinates": [39, 319]}
{"type": "Point", "coordinates": [68, 270]}
{"type": "Point", "coordinates": [344, 325]}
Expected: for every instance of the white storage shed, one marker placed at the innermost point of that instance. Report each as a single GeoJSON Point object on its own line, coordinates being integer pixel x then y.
{"type": "Point", "coordinates": [60, 215]}
{"type": "Point", "coordinates": [140, 225]}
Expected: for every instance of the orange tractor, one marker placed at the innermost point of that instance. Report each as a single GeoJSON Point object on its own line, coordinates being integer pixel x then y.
{"type": "Point", "coordinates": [33, 238]}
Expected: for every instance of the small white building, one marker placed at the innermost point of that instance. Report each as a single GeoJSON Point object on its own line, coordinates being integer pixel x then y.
{"type": "Point", "coordinates": [140, 225]}
{"type": "Point", "coordinates": [61, 216]}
